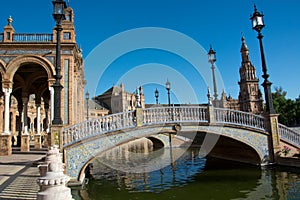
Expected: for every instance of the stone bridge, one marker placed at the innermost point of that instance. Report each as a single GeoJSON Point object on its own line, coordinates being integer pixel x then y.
{"type": "Point", "coordinates": [249, 134]}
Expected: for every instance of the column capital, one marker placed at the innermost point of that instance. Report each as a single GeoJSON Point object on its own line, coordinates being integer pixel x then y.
{"type": "Point", "coordinates": [7, 91]}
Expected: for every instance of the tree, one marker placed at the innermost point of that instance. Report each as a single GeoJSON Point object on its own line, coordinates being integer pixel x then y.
{"type": "Point", "coordinates": [288, 110]}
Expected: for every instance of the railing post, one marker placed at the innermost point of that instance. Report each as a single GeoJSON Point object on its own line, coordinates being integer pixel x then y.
{"type": "Point", "coordinates": [139, 117]}
{"type": "Point", "coordinates": [271, 121]}
{"type": "Point", "coordinates": [210, 114]}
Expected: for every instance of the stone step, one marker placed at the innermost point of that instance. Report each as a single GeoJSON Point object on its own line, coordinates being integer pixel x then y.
{"type": "Point", "coordinates": [42, 151]}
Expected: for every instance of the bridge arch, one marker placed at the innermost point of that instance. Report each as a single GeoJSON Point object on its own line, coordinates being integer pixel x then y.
{"type": "Point", "coordinates": [78, 155]}
{"type": "Point", "coordinates": [157, 142]}
{"type": "Point", "coordinates": [229, 148]}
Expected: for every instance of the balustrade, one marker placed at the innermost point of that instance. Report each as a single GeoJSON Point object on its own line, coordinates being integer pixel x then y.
{"type": "Point", "coordinates": [160, 115]}
{"type": "Point", "coordinates": [226, 116]}
{"type": "Point", "coordinates": [20, 37]}
{"type": "Point", "coordinates": [98, 126]}
{"type": "Point", "coordinates": [163, 115]}
{"type": "Point", "coordinates": [289, 135]}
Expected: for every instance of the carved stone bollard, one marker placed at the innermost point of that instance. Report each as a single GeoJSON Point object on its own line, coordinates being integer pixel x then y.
{"type": "Point", "coordinates": [53, 181]}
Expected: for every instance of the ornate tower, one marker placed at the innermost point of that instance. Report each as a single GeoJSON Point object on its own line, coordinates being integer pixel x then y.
{"type": "Point", "coordinates": [250, 97]}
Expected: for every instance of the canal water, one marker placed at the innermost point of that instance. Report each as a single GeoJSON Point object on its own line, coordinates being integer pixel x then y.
{"type": "Point", "coordinates": [190, 176]}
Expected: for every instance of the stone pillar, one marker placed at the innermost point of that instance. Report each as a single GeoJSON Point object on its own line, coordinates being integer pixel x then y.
{"type": "Point", "coordinates": [7, 92]}
{"type": "Point", "coordinates": [139, 117]}
{"type": "Point", "coordinates": [53, 181]}
{"type": "Point", "coordinates": [5, 145]}
{"type": "Point", "coordinates": [52, 104]}
{"type": "Point", "coordinates": [25, 143]}
{"type": "Point", "coordinates": [56, 138]}
{"type": "Point", "coordinates": [13, 126]}
{"type": "Point", "coordinates": [37, 137]}
{"type": "Point", "coordinates": [1, 113]}
{"type": "Point", "coordinates": [210, 109]}
{"type": "Point", "coordinates": [211, 114]}
{"type": "Point", "coordinates": [20, 125]}
{"type": "Point", "coordinates": [5, 137]}
{"type": "Point", "coordinates": [274, 136]}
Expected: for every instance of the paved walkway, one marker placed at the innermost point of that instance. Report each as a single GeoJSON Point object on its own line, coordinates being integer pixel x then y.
{"type": "Point", "coordinates": [18, 175]}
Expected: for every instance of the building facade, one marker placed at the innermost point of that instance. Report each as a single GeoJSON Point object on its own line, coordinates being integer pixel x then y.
{"type": "Point", "coordinates": [27, 68]}
{"type": "Point", "coordinates": [116, 99]}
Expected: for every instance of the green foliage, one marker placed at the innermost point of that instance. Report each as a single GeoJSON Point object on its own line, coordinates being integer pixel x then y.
{"type": "Point", "coordinates": [288, 110]}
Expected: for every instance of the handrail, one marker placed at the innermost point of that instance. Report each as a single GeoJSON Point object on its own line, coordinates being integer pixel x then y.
{"type": "Point", "coordinates": [172, 114]}
{"type": "Point", "coordinates": [159, 115]}
{"type": "Point", "coordinates": [98, 126]}
{"type": "Point", "coordinates": [289, 135]}
{"type": "Point", "coordinates": [235, 117]}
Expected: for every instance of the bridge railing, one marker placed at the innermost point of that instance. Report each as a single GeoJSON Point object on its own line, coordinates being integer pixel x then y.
{"type": "Point", "coordinates": [160, 115]}
{"type": "Point", "coordinates": [234, 117]}
{"type": "Point", "coordinates": [98, 126]}
{"type": "Point", "coordinates": [289, 135]}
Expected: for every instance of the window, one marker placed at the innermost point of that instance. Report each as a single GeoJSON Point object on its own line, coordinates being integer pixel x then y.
{"type": "Point", "coordinates": [67, 35]}
{"type": "Point", "coordinates": [8, 35]}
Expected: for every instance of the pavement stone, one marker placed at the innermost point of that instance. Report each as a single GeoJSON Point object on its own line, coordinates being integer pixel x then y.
{"type": "Point", "coordinates": [18, 176]}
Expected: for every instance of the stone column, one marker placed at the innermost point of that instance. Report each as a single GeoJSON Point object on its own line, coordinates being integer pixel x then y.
{"type": "Point", "coordinates": [1, 113]}
{"type": "Point", "coordinates": [7, 92]}
{"type": "Point", "coordinates": [210, 108]}
{"type": "Point", "coordinates": [274, 136]}
{"type": "Point", "coordinates": [13, 126]}
{"type": "Point", "coordinates": [51, 104]}
{"type": "Point", "coordinates": [46, 124]}
{"type": "Point", "coordinates": [25, 145]}
{"type": "Point", "coordinates": [5, 137]}
{"type": "Point", "coordinates": [20, 125]}
{"type": "Point", "coordinates": [211, 115]}
{"type": "Point", "coordinates": [37, 136]}
{"type": "Point", "coordinates": [139, 117]}
{"type": "Point", "coordinates": [56, 138]}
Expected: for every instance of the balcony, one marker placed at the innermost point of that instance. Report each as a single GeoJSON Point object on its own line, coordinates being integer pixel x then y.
{"type": "Point", "coordinates": [29, 38]}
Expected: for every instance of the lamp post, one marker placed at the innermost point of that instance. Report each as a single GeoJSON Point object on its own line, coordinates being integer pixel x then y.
{"type": "Point", "coordinates": [168, 87]}
{"type": "Point", "coordinates": [87, 97]}
{"type": "Point", "coordinates": [212, 59]}
{"type": "Point", "coordinates": [58, 15]}
{"type": "Point", "coordinates": [156, 95]}
{"type": "Point", "coordinates": [258, 25]}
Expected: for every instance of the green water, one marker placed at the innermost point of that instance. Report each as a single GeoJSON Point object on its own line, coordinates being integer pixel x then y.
{"type": "Point", "coordinates": [193, 177]}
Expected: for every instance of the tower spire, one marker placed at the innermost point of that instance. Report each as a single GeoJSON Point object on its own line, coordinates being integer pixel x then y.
{"type": "Point", "coordinates": [250, 95]}
{"type": "Point", "coordinates": [244, 51]}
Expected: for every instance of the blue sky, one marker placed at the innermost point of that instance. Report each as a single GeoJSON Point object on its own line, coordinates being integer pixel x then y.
{"type": "Point", "coordinates": [215, 22]}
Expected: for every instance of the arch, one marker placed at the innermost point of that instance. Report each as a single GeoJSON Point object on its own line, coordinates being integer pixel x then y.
{"type": "Point", "coordinates": [17, 62]}
{"type": "Point", "coordinates": [2, 67]}
{"type": "Point", "coordinates": [157, 143]}
{"type": "Point", "coordinates": [232, 149]}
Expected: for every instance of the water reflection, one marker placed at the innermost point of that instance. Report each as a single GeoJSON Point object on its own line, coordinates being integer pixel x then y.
{"type": "Point", "coordinates": [192, 177]}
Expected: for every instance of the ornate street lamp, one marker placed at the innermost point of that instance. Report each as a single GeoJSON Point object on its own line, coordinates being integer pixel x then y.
{"type": "Point", "coordinates": [58, 15]}
{"type": "Point", "coordinates": [156, 95]}
{"type": "Point", "coordinates": [168, 87]}
{"type": "Point", "coordinates": [258, 25]}
{"type": "Point", "coordinates": [87, 97]}
{"type": "Point", "coordinates": [212, 59]}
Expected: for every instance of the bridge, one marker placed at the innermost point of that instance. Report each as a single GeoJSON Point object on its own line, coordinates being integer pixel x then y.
{"type": "Point", "coordinates": [242, 136]}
